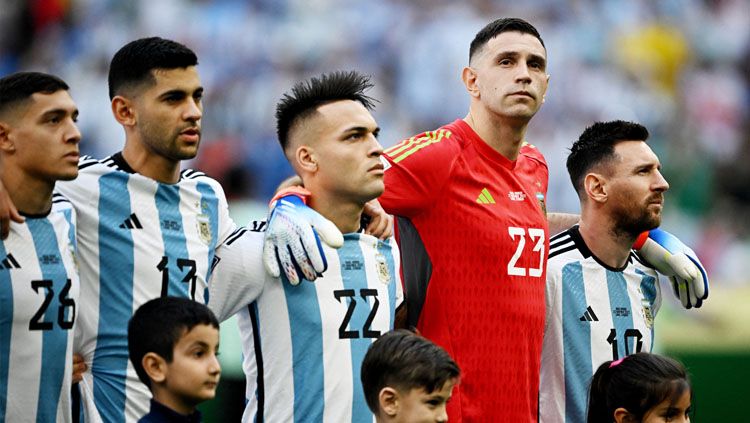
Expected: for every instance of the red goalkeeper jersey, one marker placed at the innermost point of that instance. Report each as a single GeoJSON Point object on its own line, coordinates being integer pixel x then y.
{"type": "Point", "coordinates": [474, 242]}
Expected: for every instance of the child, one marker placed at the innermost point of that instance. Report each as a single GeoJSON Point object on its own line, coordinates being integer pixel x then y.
{"type": "Point", "coordinates": [173, 343]}
{"type": "Point", "coordinates": [407, 378]}
{"type": "Point", "coordinates": [641, 387]}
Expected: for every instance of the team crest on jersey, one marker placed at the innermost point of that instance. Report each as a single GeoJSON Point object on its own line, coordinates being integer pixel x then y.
{"type": "Point", "coordinates": [204, 228]}
{"type": "Point", "coordinates": [542, 205]}
{"type": "Point", "coordinates": [382, 268]}
{"type": "Point", "coordinates": [648, 315]}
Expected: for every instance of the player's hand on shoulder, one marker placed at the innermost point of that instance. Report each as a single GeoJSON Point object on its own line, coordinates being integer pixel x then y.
{"type": "Point", "coordinates": [8, 212]}
{"type": "Point", "coordinates": [293, 236]}
{"type": "Point", "coordinates": [670, 257]}
{"type": "Point", "coordinates": [380, 223]}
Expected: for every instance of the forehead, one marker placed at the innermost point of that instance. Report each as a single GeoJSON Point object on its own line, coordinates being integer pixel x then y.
{"type": "Point", "coordinates": [186, 79]}
{"type": "Point", "coordinates": [41, 103]}
{"type": "Point", "coordinates": [339, 116]}
{"type": "Point", "coordinates": [200, 333]}
{"type": "Point", "coordinates": [513, 42]}
{"type": "Point", "coordinates": [634, 151]}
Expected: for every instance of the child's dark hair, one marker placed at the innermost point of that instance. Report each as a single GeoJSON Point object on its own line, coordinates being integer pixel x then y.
{"type": "Point", "coordinates": [497, 27]}
{"type": "Point", "coordinates": [306, 96]}
{"type": "Point", "coordinates": [637, 383]}
{"type": "Point", "coordinates": [21, 86]}
{"type": "Point", "coordinates": [133, 63]}
{"type": "Point", "coordinates": [405, 361]}
{"type": "Point", "coordinates": [159, 324]}
{"type": "Point", "coordinates": [597, 145]}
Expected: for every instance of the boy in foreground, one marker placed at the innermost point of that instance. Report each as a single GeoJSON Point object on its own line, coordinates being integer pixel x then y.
{"type": "Point", "coordinates": [407, 378]}
{"type": "Point", "coordinates": [173, 343]}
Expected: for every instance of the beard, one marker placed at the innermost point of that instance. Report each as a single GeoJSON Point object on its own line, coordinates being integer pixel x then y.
{"type": "Point", "coordinates": [632, 219]}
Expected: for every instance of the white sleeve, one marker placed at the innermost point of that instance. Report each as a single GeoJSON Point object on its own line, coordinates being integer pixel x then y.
{"type": "Point", "coordinates": [238, 276]}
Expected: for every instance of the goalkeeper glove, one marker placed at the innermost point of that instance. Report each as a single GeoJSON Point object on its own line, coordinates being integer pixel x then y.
{"type": "Point", "coordinates": [672, 258]}
{"type": "Point", "coordinates": [292, 240]}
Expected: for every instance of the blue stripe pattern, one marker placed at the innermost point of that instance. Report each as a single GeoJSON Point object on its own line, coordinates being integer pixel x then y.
{"type": "Point", "coordinates": [115, 297]}
{"type": "Point", "coordinates": [648, 288]}
{"type": "Point", "coordinates": [307, 349]}
{"type": "Point", "coordinates": [576, 335]}
{"type": "Point", "coordinates": [55, 341]}
{"type": "Point", "coordinates": [6, 330]}
{"type": "Point", "coordinates": [173, 235]}
{"type": "Point", "coordinates": [210, 209]}
{"type": "Point", "coordinates": [619, 302]}
{"type": "Point", "coordinates": [356, 278]}
{"type": "Point", "coordinates": [387, 251]}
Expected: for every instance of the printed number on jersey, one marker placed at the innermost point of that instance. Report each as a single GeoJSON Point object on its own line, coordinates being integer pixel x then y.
{"type": "Point", "coordinates": [339, 294]}
{"type": "Point", "coordinates": [519, 235]}
{"type": "Point", "coordinates": [630, 333]}
{"type": "Point", "coordinates": [37, 320]}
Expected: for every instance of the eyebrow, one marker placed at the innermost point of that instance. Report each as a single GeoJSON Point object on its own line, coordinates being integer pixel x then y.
{"type": "Point", "coordinates": [180, 93]}
{"type": "Point", "coordinates": [515, 55]}
{"type": "Point", "coordinates": [59, 113]}
{"type": "Point", "coordinates": [361, 129]}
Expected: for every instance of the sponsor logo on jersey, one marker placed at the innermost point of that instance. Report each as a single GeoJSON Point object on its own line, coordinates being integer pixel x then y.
{"type": "Point", "coordinates": [9, 262]}
{"type": "Point", "coordinates": [589, 315]}
{"type": "Point", "coordinates": [516, 196]}
{"type": "Point", "coordinates": [131, 222]}
{"type": "Point", "coordinates": [485, 197]}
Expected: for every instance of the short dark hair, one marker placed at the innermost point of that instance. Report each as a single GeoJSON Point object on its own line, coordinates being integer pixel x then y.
{"type": "Point", "coordinates": [497, 27]}
{"type": "Point", "coordinates": [133, 63]}
{"type": "Point", "coordinates": [306, 96]}
{"type": "Point", "coordinates": [637, 383]}
{"type": "Point", "coordinates": [405, 361]}
{"type": "Point", "coordinates": [20, 86]}
{"type": "Point", "coordinates": [596, 145]}
{"type": "Point", "coordinates": [158, 325]}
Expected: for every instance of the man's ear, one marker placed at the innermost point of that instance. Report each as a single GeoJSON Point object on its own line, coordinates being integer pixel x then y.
{"type": "Point", "coordinates": [6, 144]}
{"type": "Point", "coordinates": [123, 111]}
{"type": "Point", "coordinates": [155, 367]}
{"type": "Point", "coordinates": [623, 416]}
{"type": "Point", "coordinates": [595, 185]}
{"type": "Point", "coordinates": [305, 158]}
{"type": "Point", "coordinates": [469, 76]}
{"type": "Point", "coordinates": [389, 400]}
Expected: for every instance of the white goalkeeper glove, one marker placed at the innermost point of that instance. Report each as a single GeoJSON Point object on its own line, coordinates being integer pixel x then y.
{"type": "Point", "coordinates": [292, 240]}
{"type": "Point", "coordinates": [672, 258]}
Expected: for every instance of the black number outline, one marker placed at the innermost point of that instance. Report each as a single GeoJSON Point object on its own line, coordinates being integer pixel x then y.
{"type": "Point", "coordinates": [34, 323]}
{"type": "Point", "coordinates": [343, 333]}
{"type": "Point", "coordinates": [190, 278]}
{"type": "Point", "coordinates": [629, 333]}
{"type": "Point", "coordinates": [366, 331]}
{"type": "Point", "coordinates": [66, 302]}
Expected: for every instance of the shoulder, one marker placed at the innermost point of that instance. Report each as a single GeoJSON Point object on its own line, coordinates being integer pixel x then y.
{"type": "Point", "coordinates": [441, 144]}
{"type": "Point", "coordinates": [188, 176]}
{"type": "Point", "coordinates": [530, 152]}
{"type": "Point", "coordinates": [564, 248]}
{"type": "Point", "coordinates": [61, 203]}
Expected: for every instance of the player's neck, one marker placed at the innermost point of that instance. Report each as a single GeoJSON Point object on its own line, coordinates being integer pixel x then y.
{"type": "Point", "coordinates": [345, 215]}
{"type": "Point", "coordinates": [150, 164]}
{"type": "Point", "coordinates": [503, 135]}
{"type": "Point", "coordinates": [30, 195]}
{"type": "Point", "coordinates": [608, 245]}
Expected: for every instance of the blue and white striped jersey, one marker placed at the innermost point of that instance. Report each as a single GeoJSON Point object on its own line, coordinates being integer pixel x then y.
{"type": "Point", "coordinates": [138, 239]}
{"type": "Point", "coordinates": [595, 313]}
{"type": "Point", "coordinates": [38, 308]}
{"type": "Point", "coordinates": [303, 345]}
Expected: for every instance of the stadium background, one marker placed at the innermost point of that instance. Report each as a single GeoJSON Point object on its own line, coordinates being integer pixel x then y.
{"type": "Point", "coordinates": [680, 67]}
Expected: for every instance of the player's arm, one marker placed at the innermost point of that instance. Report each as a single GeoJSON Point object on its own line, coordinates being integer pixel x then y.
{"type": "Point", "coordinates": [8, 212]}
{"type": "Point", "coordinates": [670, 257]}
{"type": "Point", "coordinates": [559, 222]}
{"type": "Point", "coordinates": [237, 278]}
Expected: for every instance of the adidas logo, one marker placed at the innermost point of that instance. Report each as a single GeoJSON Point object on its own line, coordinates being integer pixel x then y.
{"type": "Point", "coordinates": [485, 197]}
{"type": "Point", "coordinates": [9, 262]}
{"type": "Point", "coordinates": [589, 315]}
{"type": "Point", "coordinates": [131, 222]}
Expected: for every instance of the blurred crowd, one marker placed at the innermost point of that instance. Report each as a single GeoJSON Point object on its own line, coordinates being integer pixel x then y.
{"type": "Point", "coordinates": [680, 67]}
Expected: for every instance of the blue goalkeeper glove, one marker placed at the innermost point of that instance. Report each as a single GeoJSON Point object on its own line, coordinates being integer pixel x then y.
{"type": "Point", "coordinates": [292, 240]}
{"type": "Point", "coordinates": [672, 258]}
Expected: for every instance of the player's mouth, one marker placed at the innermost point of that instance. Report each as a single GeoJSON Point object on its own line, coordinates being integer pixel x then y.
{"type": "Point", "coordinates": [523, 94]}
{"type": "Point", "coordinates": [377, 169]}
{"type": "Point", "coordinates": [72, 156]}
{"type": "Point", "coordinates": [192, 134]}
